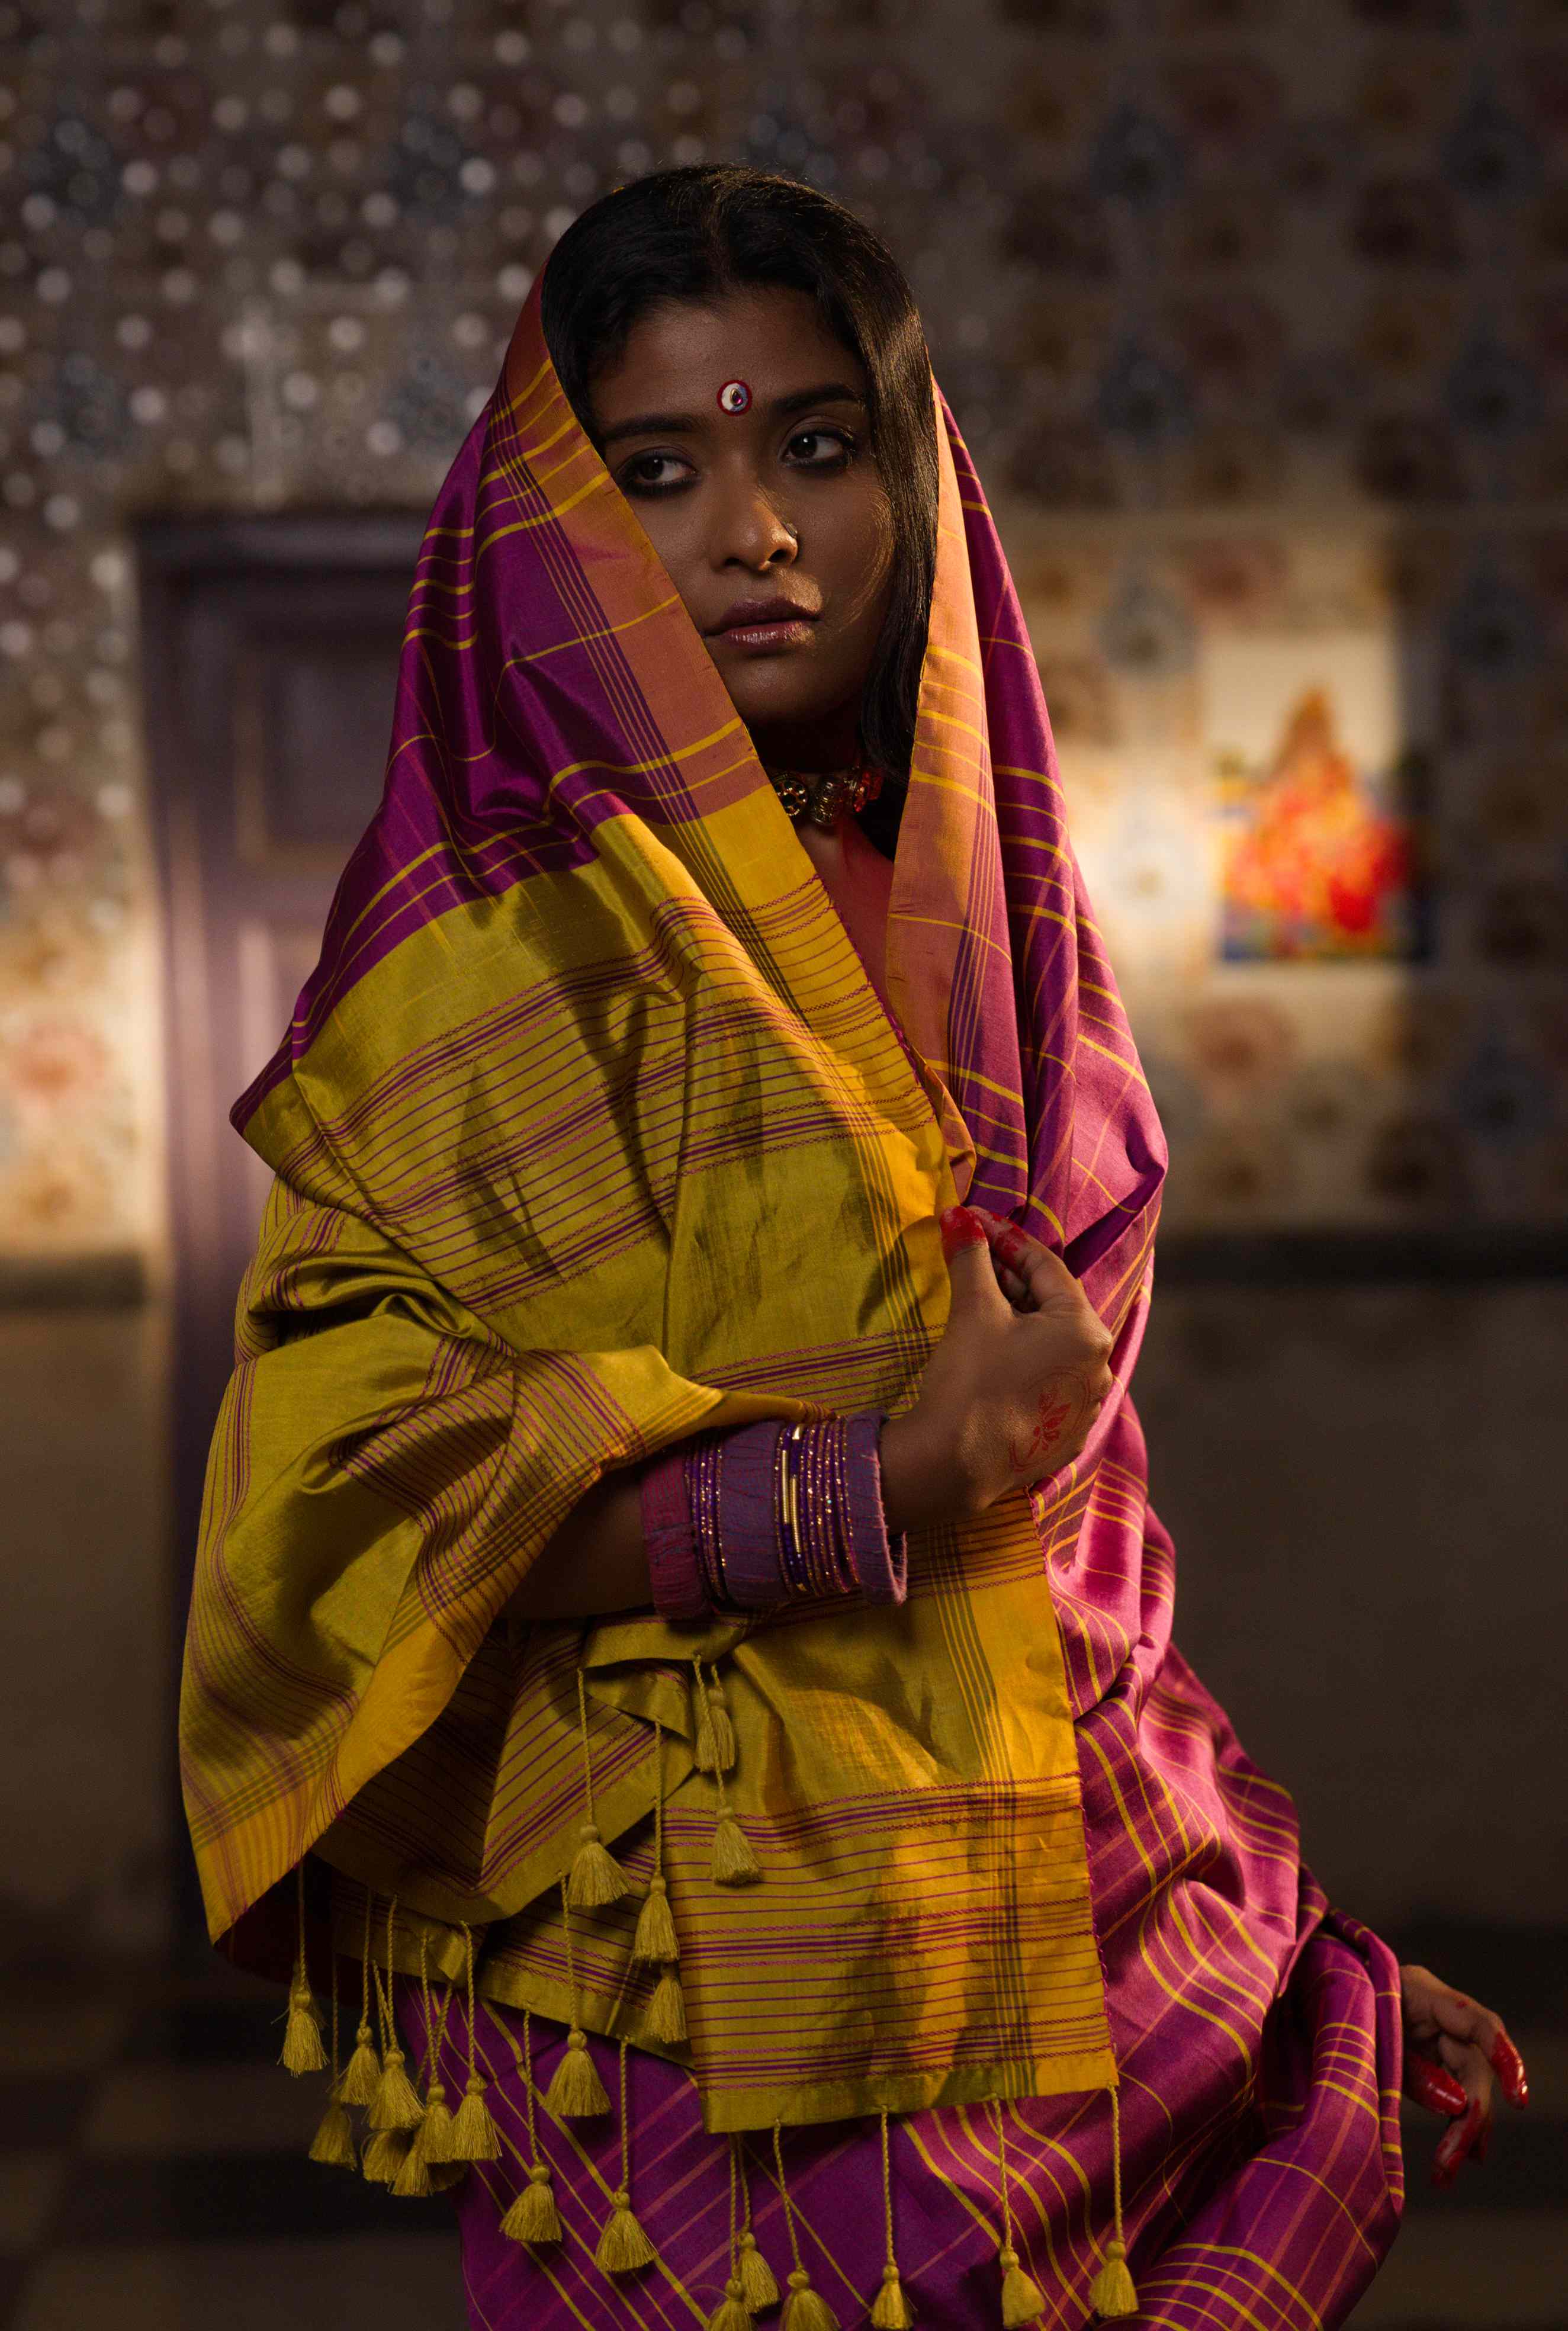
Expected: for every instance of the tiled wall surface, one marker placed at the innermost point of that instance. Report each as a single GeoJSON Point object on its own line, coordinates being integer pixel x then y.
{"type": "Point", "coordinates": [1255, 311]}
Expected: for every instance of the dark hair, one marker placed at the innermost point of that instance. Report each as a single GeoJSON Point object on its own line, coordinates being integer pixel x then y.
{"type": "Point", "coordinates": [696, 234]}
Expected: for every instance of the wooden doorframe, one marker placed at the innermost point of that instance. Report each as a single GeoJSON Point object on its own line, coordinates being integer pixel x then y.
{"type": "Point", "coordinates": [190, 759]}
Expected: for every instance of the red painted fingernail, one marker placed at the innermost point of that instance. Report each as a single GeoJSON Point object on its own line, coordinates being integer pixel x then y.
{"type": "Point", "coordinates": [1509, 2066]}
{"type": "Point", "coordinates": [1434, 2087]}
{"type": "Point", "coordinates": [961, 1227]}
{"type": "Point", "coordinates": [1456, 2146]}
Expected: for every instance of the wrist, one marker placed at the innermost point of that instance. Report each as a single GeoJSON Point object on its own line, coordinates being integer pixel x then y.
{"type": "Point", "coordinates": [909, 1478]}
{"type": "Point", "coordinates": [926, 1479]}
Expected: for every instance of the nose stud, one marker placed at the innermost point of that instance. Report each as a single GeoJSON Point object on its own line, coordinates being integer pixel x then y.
{"type": "Point", "coordinates": [734, 396]}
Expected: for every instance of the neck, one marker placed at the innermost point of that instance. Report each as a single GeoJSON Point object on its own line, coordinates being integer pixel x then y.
{"type": "Point", "coordinates": [816, 747]}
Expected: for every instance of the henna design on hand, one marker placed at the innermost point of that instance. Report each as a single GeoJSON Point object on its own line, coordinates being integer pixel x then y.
{"type": "Point", "coordinates": [1063, 1402]}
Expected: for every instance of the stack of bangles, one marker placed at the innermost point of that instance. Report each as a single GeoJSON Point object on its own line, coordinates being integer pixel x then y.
{"type": "Point", "coordinates": [767, 1514]}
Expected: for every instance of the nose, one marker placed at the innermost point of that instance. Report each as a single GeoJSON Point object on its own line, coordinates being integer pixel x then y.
{"type": "Point", "coordinates": [750, 531]}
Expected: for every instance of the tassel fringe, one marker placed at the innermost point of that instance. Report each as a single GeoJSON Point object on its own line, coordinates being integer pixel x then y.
{"type": "Point", "coordinates": [667, 2011]}
{"type": "Point", "coordinates": [597, 1878]}
{"type": "Point", "coordinates": [432, 2138]}
{"type": "Point", "coordinates": [730, 2314]}
{"type": "Point", "coordinates": [713, 1749]}
{"type": "Point", "coordinates": [396, 2104]}
{"type": "Point", "coordinates": [655, 1942]}
{"type": "Point", "coordinates": [383, 2155]}
{"type": "Point", "coordinates": [757, 2286]}
{"type": "Point", "coordinates": [734, 1861]}
{"type": "Point", "coordinates": [412, 2183]}
{"type": "Point", "coordinates": [302, 2047]}
{"type": "Point", "coordinates": [890, 2309]}
{"type": "Point", "coordinates": [363, 2077]}
{"type": "Point", "coordinates": [474, 2135]}
{"type": "Point", "coordinates": [806, 2309]}
{"type": "Point", "coordinates": [576, 2091]}
{"type": "Point", "coordinates": [333, 2142]}
{"type": "Point", "coordinates": [1022, 2300]}
{"type": "Point", "coordinates": [533, 2216]}
{"type": "Point", "coordinates": [622, 2245]}
{"type": "Point", "coordinates": [1113, 2293]}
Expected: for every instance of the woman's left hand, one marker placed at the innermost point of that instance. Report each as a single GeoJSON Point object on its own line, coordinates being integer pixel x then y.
{"type": "Point", "coordinates": [1453, 2045]}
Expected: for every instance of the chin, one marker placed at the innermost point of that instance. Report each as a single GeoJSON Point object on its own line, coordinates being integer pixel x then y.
{"type": "Point", "coordinates": [762, 703]}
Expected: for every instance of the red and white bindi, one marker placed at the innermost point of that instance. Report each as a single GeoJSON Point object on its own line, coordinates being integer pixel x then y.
{"type": "Point", "coordinates": [734, 396]}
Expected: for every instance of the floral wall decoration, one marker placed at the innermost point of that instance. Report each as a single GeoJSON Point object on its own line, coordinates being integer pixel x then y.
{"type": "Point", "coordinates": [1256, 313]}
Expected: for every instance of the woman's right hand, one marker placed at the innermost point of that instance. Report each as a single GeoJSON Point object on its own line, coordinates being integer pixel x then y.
{"type": "Point", "coordinates": [1009, 1395]}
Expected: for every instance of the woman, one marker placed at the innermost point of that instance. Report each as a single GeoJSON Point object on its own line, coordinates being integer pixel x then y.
{"type": "Point", "coordinates": [680, 1631]}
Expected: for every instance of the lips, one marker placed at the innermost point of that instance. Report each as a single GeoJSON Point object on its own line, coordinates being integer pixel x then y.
{"type": "Point", "coordinates": [764, 622]}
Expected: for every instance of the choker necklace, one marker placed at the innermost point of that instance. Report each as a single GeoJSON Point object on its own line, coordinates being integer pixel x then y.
{"type": "Point", "coordinates": [824, 798]}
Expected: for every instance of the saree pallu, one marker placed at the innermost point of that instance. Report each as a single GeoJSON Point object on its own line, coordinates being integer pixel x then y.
{"type": "Point", "coordinates": [591, 1133]}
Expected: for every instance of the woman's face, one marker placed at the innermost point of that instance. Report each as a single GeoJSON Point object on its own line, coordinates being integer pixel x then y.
{"type": "Point", "coordinates": [738, 432]}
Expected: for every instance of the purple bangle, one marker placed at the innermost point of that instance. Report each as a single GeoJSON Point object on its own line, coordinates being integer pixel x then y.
{"type": "Point", "coordinates": [881, 1562]}
{"type": "Point", "coordinates": [752, 1570]}
{"type": "Point", "coordinates": [719, 1491]}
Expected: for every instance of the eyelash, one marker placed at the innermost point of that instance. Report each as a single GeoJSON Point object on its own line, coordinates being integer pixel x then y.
{"type": "Point", "coordinates": [630, 483]}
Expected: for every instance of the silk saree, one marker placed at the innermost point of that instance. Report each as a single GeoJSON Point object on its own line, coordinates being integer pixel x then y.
{"type": "Point", "coordinates": [591, 1132]}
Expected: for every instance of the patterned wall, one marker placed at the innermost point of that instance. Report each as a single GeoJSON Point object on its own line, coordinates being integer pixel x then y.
{"type": "Point", "coordinates": [1256, 312]}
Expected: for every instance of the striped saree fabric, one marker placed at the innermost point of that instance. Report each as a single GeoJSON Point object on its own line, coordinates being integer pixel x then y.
{"type": "Point", "coordinates": [590, 1132]}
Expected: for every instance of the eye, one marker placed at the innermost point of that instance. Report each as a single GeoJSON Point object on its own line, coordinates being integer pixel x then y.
{"type": "Point", "coordinates": [652, 473]}
{"type": "Point", "coordinates": [819, 449]}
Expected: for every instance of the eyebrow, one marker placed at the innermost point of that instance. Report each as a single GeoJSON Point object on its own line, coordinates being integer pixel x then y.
{"type": "Point", "coordinates": [673, 424]}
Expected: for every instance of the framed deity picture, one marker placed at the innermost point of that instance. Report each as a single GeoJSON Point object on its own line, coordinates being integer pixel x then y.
{"type": "Point", "coordinates": [1308, 778]}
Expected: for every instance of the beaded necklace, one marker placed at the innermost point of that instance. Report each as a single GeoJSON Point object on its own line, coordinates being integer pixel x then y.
{"type": "Point", "coordinates": [824, 798]}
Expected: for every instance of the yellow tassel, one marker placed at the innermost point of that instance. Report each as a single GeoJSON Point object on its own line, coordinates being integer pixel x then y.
{"type": "Point", "coordinates": [412, 2183]}
{"type": "Point", "coordinates": [667, 2011]}
{"type": "Point", "coordinates": [302, 2049]}
{"type": "Point", "coordinates": [890, 2310]}
{"type": "Point", "coordinates": [533, 2216]}
{"type": "Point", "coordinates": [597, 1878]}
{"type": "Point", "coordinates": [576, 2091]}
{"type": "Point", "coordinates": [713, 1749]}
{"type": "Point", "coordinates": [363, 2077]}
{"type": "Point", "coordinates": [1022, 2300]}
{"type": "Point", "coordinates": [432, 2138]}
{"type": "Point", "coordinates": [383, 2155]}
{"type": "Point", "coordinates": [1113, 2293]}
{"type": "Point", "coordinates": [474, 2135]}
{"type": "Point", "coordinates": [757, 2287]}
{"type": "Point", "coordinates": [655, 1941]}
{"type": "Point", "coordinates": [806, 2309]}
{"type": "Point", "coordinates": [396, 2104]}
{"type": "Point", "coordinates": [730, 2314]}
{"type": "Point", "coordinates": [444, 2174]}
{"type": "Point", "coordinates": [333, 2142]}
{"type": "Point", "coordinates": [622, 2245]}
{"type": "Point", "coordinates": [734, 1861]}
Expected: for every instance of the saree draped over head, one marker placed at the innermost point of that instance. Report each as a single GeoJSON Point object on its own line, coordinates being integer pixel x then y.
{"type": "Point", "coordinates": [591, 1133]}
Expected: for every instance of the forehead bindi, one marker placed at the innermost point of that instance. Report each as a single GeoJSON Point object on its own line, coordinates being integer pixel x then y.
{"type": "Point", "coordinates": [724, 365]}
